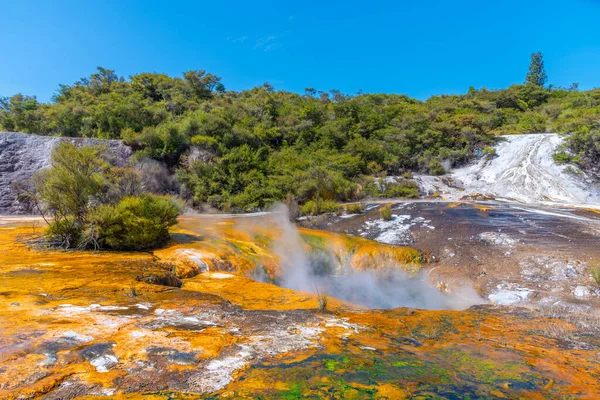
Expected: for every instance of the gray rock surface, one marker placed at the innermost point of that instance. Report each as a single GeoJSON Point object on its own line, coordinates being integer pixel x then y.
{"type": "Point", "coordinates": [21, 155]}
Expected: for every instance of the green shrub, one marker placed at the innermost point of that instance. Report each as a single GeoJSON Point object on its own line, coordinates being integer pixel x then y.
{"type": "Point", "coordinates": [489, 151]}
{"type": "Point", "coordinates": [135, 223]}
{"type": "Point", "coordinates": [205, 142]}
{"type": "Point", "coordinates": [595, 271]}
{"type": "Point", "coordinates": [385, 213]}
{"type": "Point", "coordinates": [403, 189]}
{"type": "Point", "coordinates": [562, 157]}
{"type": "Point", "coordinates": [369, 187]}
{"type": "Point", "coordinates": [322, 299]}
{"type": "Point", "coordinates": [355, 208]}
{"type": "Point", "coordinates": [319, 206]}
{"type": "Point", "coordinates": [92, 204]}
{"type": "Point", "coordinates": [65, 232]}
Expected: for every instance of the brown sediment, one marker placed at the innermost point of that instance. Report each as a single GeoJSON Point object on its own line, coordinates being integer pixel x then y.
{"type": "Point", "coordinates": [81, 323]}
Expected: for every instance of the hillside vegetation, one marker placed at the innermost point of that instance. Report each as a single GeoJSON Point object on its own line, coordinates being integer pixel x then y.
{"type": "Point", "coordinates": [245, 150]}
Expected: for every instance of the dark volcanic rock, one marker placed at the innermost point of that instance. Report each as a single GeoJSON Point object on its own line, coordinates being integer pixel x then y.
{"type": "Point", "coordinates": [21, 155]}
{"type": "Point", "coordinates": [160, 278]}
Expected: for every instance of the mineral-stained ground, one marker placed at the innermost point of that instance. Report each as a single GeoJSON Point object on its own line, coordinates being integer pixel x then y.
{"type": "Point", "coordinates": [192, 320]}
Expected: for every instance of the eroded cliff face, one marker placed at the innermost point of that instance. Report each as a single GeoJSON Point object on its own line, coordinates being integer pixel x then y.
{"type": "Point", "coordinates": [78, 324]}
{"type": "Point", "coordinates": [21, 155]}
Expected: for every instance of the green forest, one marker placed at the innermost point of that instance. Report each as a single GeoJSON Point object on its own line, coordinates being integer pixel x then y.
{"type": "Point", "coordinates": [245, 150]}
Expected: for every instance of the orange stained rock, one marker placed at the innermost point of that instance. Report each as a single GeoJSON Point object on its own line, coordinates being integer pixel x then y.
{"type": "Point", "coordinates": [253, 295]}
{"type": "Point", "coordinates": [63, 315]}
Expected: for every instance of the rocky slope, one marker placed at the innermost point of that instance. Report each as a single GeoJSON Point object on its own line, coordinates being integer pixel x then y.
{"type": "Point", "coordinates": [21, 155]}
{"type": "Point", "coordinates": [523, 171]}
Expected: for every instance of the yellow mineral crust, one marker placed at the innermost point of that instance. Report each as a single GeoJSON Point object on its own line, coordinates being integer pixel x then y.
{"type": "Point", "coordinates": [83, 323]}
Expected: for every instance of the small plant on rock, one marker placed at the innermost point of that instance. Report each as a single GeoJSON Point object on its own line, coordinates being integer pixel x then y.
{"type": "Point", "coordinates": [319, 206]}
{"type": "Point", "coordinates": [595, 271]}
{"type": "Point", "coordinates": [355, 208]}
{"type": "Point", "coordinates": [386, 213]}
{"type": "Point", "coordinates": [322, 299]}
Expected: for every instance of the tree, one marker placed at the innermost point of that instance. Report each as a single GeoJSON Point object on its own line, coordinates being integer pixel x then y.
{"type": "Point", "coordinates": [537, 74]}
{"type": "Point", "coordinates": [68, 187]}
{"type": "Point", "coordinates": [91, 204]}
{"type": "Point", "coordinates": [203, 84]}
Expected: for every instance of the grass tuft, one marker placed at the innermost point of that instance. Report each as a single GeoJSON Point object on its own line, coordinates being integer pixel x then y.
{"type": "Point", "coordinates": [595, 271]}
{"type": "Point", "coordinates": [386, 213]}
{"type": "Point", "coordinates": [322, 299]}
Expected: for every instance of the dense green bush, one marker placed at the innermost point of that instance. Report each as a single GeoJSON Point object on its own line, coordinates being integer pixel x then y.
{"type": "Point", "coordinates": [583, 149]}
{"type": "Point", "coordinates": [402, 189]}
{"type": "Point", "coordinates": [319, 206]}
{"type": "Point", "coordinates": [595, 272]}
{"type": "Point", "coordinates": [135, 223]}
{"type": "Point", "coordinates": [385, 213]}
{"type": "Point", "coordinates": [356, 208]}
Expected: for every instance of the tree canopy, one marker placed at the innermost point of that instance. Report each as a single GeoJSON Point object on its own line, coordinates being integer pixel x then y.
{"type": "Point", "coordinates": [245, 150]}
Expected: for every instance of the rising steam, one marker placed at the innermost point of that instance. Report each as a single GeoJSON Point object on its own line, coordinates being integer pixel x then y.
{"type": "Point", "coordinates": [386, 286]}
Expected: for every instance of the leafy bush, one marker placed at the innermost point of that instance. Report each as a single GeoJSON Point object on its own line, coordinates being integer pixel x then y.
{"type": "Point", "coordinates": [385, 213]}
{"type": "Point", "coordinates": [135, 223]}
{"type": "Point", "coordinates": [583, 149]}
{"type": "Point", "coordinates": [595, 271]}
{"type": "Point", "coordinates": [562, 157]}
{"type": "Point", "coordinates": [402, 189]}
{"type": "Point", "coordinates": [319, 206]}
{"type": "Point", "coordinates": [92, 204]}
{"type": "Point", "coordinates": [488, 151]}
{"type": "Point", "coordinates": [322, 299]}
{"type": "Point", "coordinates": [355, 208]}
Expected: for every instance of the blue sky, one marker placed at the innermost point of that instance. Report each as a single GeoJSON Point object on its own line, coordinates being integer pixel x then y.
{"type": "Point", "coordinates": [419, 48]}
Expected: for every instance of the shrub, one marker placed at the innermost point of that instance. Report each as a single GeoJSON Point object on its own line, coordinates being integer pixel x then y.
{"type": "Point", "coordinates": [76, 176]}
{"type": "Point", "coordinates": [65, 191]}
{"type": "Point", "coordinates": [386, 213]}
{"type": "Point", "coordinates": [489, 151]}
{"type": "Point", "coordinates": [403, 189]}
{"type": "Point", "coordinates": [322, 299]}
{"type": "Point", "coordinates": [562, 157]}
{"type": "Point", "coordinates": [65, 232]}
{"type": "Point", "coordinates": [135, 223]}
{"type": "Point", "coordinates": [319, 206]}
{"type": "Point", "coordinates": [90, 204]}
{"type": "Point", "coordinates": [595, 271]}
{"type": "Point", "coordinates": [355, 208]}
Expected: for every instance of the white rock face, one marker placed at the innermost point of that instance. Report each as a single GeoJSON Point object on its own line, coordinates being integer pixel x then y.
{"type": "Point", "coordinates": [21, 155]}
{"type": "Point", "coordinates": [523, 171]}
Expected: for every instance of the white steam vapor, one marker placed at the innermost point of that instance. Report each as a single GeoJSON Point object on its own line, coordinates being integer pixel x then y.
{"type": "Point", "coordinates": [385, 286]}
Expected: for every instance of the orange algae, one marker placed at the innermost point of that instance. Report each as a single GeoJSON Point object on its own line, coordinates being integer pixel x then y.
{"type": "Point", "coordinates": [241, 247]}
{"type": "Point", "coordinates": [55, 306]}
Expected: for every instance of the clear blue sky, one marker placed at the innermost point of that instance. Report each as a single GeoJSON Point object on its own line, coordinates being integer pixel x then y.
{"type": "Point", "coordinates": [415, 47]}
